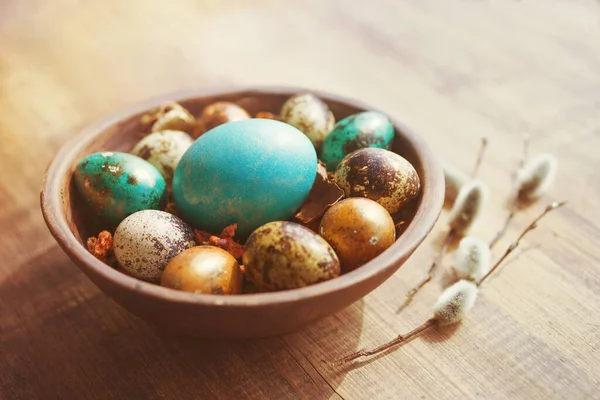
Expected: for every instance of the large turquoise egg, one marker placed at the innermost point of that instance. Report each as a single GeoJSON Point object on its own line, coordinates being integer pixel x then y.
{"type": "Point", "coordinates": [116, 185]}
{"type": "Point", "coordinates": [358, 131]}
{"type": "Point", "coordinates": [247, 172]}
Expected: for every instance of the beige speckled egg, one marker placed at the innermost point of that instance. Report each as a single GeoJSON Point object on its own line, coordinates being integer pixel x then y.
{"type": "Point", "coordinates": [147, 240]}
{"type": "Point", "coordinates": [283, 255]}
{"type": "Point", "coordinates": [379, 175]}
{"type": "Point", "coordinates": [310, 115]}
{"type": "Point", "coordinates": [163, 150]}
{"type": "Point", "coordinates": [204, 269]}
{"type": "Point", "coordinates": [173, 116]}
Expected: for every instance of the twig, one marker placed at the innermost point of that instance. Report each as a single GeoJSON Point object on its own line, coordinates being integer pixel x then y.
{"type": "Point", "coordinates": [484, 143]}
{"type": "Point", "coordinates": [514, 207]}
{"type": "Point", "coordinates": [515, 244]}
{"type": "Point", "coordinates": [411, 294]}
{"type": "Point", "coordinates": [453, 304]}
{"type": "Point", "coordinates": [400, 339]}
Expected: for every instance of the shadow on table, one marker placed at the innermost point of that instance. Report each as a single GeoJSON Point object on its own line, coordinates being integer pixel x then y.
{"type": "Point", "coordinates": [61, 337]}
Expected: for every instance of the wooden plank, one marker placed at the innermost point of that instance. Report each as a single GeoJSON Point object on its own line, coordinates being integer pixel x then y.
{"type": "Point", "coordinates": [453, 71]}
{"type": "Point", "coordinates": [61, 338]}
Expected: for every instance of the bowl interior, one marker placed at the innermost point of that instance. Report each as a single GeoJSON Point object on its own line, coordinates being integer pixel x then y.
{"type": "Point", "coordinates": [71, 224]}
{"type": "Point", "coordinates": [124, 134]}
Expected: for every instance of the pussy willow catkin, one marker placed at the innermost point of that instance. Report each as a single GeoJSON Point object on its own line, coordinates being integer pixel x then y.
{"type": "Point", "coordinates": [472, 259]}
{"type": "Point", "coordinates": [537, 176]}
{"type": "Point", "coordinates": [455, 302]}
{"type": "Point", "coordinates": [532, 181]}
{"type": "Point", "coordinates": [454, 179]}
{"type": "Point", "coordinates": [451, 306]}
{"type": "Point", "coordinates": [467, 207]}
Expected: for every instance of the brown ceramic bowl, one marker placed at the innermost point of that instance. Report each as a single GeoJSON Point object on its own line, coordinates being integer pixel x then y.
{"type": "Point", "coordinates": [248, 315]}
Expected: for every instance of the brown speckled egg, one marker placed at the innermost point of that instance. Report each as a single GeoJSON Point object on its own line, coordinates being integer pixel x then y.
{"type": "Point", "coordinates": [219, 113]}
{"type": "Point", "coordinates": [283, 255]}
{"type": "Point", "coordinates": [379, 175]}
{"type": "Point", "coordinates": [309, 114]}
{"type": "Point", "coordinates": [204, 269]}
{"type": "Point", "coordinates": [358, 229]}
{"type": "Point", "coordinates": [147, 240]}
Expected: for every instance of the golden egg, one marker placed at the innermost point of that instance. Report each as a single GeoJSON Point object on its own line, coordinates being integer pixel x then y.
{"type": "Point", "coordinates": [219, 113]}
{"type": "Point", "coordinates": [358, 229]}
{"type": "Point", "coordinates": [379, 175]}
{"type": "Point", "coordinates": [203, 269]}
{"type": "Point", "coordinates": [284, 255]}
{"type": "Point", "coordinates": [266, 115]}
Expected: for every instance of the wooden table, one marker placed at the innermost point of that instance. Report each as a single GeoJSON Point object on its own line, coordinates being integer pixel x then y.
{"type": "Point", "coordinates": [453, 71]}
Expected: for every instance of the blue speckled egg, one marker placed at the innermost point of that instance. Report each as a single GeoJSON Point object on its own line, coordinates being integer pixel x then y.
{"type": "Point", "coordinates": [358, 131]}
{"type": "Point", "coordinates": [247, 172]}
{"type": "Point", "coordinates": [116, 185]}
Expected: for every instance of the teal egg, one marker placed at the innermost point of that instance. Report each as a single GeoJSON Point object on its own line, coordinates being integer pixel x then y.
{"type": "Point", "coordinates": [116, 185]}
{"type": "Point", "coordinates": [358, 131]}
{"type": "Point", "coordinates": [246, 172]}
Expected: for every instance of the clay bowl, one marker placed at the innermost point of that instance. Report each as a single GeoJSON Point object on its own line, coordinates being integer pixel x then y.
{"type": "Point", "coordinates": [241, 316]}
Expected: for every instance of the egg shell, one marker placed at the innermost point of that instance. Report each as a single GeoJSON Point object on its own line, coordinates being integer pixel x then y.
{"type": "Point", "coordinates": [116, 185]}
{"type": "Point", "coordinates": [174, 117]}
{"type": "Point", "coordinates": [203, 269]}
{"type": "Point", "coordinates": [163, 150]}
{"type": "Point", "coordinates": [219, 113]}
{"type": "Point", "coordinates": [247, 173]}
{"type": "Point", "coordinates": [358, 131]}
{"type": "Point", "coordinates": [310, 115]}
{"type": "Point", "coordinates": [379, 175]}
{"type": "Point", "coordinates": [284, 255]}
{"type": "Point", "coordinates": [266, 115]}
{"type": "Point", "coordinates": [146, 241]}
{"type": "Point", "coordinates": [359, 230]}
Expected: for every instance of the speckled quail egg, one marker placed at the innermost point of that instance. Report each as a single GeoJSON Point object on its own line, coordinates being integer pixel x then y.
{"type": "Point", "coordinates": [309, 114]}
{"type": "Point", "coordinates": [163, 150]}
{"type": "Point", "coordinates": [358, 229]}
{"type": "Point", "coordinates": [172, 116]}
{"type": "Point", "coordinates": [379, 175]}
{"type": "Point", "coordinates": [284, 255]}
{"type": "Point", "coordinates": [146, 241]}
{"type": "Point", "coordinates": [219, 113]}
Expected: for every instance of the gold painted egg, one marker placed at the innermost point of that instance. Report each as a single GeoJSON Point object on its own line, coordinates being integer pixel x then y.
{"type": "Point", "coordinates": [204, 269]}
{"type": "Point", "coordinates": [359, 230]}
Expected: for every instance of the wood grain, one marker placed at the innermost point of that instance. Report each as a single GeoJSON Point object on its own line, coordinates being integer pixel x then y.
{"type": "Point", "coordinates": [453, 71]}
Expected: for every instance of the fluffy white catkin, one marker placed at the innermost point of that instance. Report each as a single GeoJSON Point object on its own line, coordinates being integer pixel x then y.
{"type": "Point", "coordinates": [467, 207]}
{"type": "Point", "coordinates": [455, 302]}
{"type": "Point", "coordinates": [536, 177]}
{"type": "Point", "coordinates": [454, 179]}
{"type": "Point", "coordinates": [472, 259]}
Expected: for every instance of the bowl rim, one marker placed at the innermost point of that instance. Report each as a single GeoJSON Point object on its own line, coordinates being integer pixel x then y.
{"type": "Point", "coordinates": [51, 196]}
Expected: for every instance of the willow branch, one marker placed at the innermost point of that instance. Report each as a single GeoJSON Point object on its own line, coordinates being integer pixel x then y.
{"type": "Point", "coordinates": [515, 244]}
